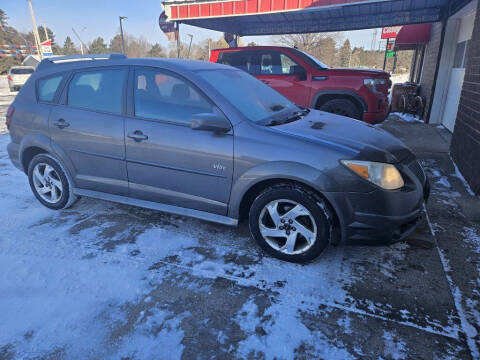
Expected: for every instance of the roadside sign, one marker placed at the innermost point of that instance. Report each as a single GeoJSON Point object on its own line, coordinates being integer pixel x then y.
{"type": "Point", "coordinates": [390, 32]}
{"type": "Point", "coordinates": [230, 39]}
{"type": "Point", "coordinates": [46, 48]}
{"type": "Point", "coordinates": [390, 46]}
{"type": "Point", "coordinates": [168, 27]}
{"type": "Point", "coordinates": [390, 53]}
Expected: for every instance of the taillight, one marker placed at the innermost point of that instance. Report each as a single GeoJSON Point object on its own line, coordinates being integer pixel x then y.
{"type": "Point", "coordinates": [9, 78]}
{"type": "Point", "coordinates": [10, 112]}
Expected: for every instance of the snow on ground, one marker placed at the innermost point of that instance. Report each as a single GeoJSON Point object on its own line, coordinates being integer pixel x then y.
{"type": "Point", "coordinates": [108, 281]}
{"type": "Point", "coordinates": [397, 116]}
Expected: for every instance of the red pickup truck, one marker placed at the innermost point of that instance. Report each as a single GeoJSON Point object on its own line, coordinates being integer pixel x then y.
{"type": "Point", "coordinates": [356, 93]}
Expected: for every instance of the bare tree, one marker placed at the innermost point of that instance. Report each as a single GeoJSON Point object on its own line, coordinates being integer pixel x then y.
{"type": "Point", "coordinates": [321, 45]}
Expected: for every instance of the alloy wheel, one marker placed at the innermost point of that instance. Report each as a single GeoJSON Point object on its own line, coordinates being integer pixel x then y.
{"type": "Point", "coordinates": [47, 183]}
{"type": "Point", "coordinates": [287, 226]}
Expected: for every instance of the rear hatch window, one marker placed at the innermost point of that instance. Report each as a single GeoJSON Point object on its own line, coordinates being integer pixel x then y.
{"type": "Point", "coordinates": [21, 71]}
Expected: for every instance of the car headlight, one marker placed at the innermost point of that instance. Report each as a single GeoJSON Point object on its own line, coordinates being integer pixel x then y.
{"type": "Point", "coordinates": [372, 83]}
{"type": "Point", "coordinates": [384, 175]}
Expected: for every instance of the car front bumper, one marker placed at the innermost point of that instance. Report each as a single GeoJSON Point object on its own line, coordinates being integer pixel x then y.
{"type": "Point", "coordinates": [380, 216]}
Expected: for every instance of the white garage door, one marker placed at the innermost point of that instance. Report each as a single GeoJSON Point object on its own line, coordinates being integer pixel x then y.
{"type": "Point", "coordinates": [457, 72]}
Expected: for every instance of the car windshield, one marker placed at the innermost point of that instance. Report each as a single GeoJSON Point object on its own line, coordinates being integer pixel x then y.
{"type": "Point", "coordinates": [312, 60]}
{"type": "Point", "coordinates": [21, 71]}
{"type": "Point", "coordinates": [255, 100]}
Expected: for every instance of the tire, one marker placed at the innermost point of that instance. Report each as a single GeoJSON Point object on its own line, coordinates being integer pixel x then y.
{"type": "Point", "coordinates": [309, 213]}
{"type": "Point", "coordinates": [343, 107]}
{"type": "Point", "coordinates": [57, 181]}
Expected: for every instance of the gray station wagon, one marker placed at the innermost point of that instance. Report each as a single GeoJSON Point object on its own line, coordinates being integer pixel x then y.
{"type": "Point", "coordinates": [212, 142]}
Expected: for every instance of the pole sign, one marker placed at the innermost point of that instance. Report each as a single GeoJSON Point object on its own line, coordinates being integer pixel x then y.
{"type": "Point", "coordinates": [46, 48]}
{"type": "Point", "coordinates": [390, 53]}
{"type": "Point", "coordinates": [230, 39]}
{"type": "Point", "coordinates": [168, 27]}
{"type": "Point", "coordinates": [390, 32]}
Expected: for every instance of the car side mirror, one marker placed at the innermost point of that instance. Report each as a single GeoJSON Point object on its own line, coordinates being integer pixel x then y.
{"type": "Point", "coordinates": [300, 72]}
{"type": "Point", "coordinates": [210, 122]}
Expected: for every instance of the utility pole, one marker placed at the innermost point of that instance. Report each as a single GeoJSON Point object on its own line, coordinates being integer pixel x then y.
{"type": "Point", "coordinates": [80, 40]}
{"type": "Point", "coordinates": [189, 46]}
{"type": "Point", "coordinates": [35, 30]}
{"type": "Point", "coordinates": [178, 39]}
{"type": "Point", "coordinates": [121, 32]}
{"type": "Point", "coordinates": [45, 30]}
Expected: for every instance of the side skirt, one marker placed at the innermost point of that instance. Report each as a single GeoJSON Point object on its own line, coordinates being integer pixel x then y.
{"type": "Point", "coordinates": [158, 206]}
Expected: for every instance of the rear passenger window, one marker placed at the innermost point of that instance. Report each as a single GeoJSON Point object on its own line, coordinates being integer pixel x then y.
{"type": "Point", "coordinates": [99, 90]}
{"type": "Point", "coordinates": [166, 97]}
{"type": "Point", "coordinates": [244, 60]}
{"type": "Point", "coordinates": [47, 88]}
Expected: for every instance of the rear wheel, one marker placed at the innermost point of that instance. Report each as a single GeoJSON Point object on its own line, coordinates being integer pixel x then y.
{"type": "Point", "coordinates": [50, 183]}
{"type": "Point", "coordinates": [290, 223]}
{"type": "Point", "coordinates": [342, 107]}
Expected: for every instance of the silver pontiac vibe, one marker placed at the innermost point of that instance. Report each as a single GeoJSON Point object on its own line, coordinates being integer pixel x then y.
{"type": "Point", "coordinates": [212, 142]}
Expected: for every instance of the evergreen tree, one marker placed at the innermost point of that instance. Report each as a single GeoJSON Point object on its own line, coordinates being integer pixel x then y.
{"type": "Point", "coordinates": [156, 51]}
{"type": "Point", "coordinates": [98, 46]}
{"type": "Point", "coordinates": [116, 44]}
{"type": "Point", "coordinates": [69, 47]}
{"type": "Point", "coordinates": [344, 54]}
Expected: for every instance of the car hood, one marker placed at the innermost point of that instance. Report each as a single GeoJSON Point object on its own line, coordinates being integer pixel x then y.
{"type": "Point", "coordinates": [362, 141]}
{"type": "Point", "coordinates": [363, 72]}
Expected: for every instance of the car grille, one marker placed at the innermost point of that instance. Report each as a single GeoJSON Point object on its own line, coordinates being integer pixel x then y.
{"type": "Point", "coordinates": [417, 170]}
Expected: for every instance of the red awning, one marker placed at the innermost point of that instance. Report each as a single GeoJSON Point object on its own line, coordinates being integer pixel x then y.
{"type": "Point", "coordinates": [411, 36]}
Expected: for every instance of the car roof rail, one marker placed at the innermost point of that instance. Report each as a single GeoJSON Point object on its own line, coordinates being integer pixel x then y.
{"type": "Point", "coordinates": [47, 62]}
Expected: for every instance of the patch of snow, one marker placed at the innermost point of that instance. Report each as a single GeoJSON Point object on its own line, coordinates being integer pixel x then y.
{"type": "Point", "coordinates": [406, 117]}
{"type": "Point", "coordinates": [459, 175]}
{"type": "Point", "coordinates": [467, 328]}
{"type": "Point", "coordinates": [444, 182]}
{"type": "Point", "coordinates": [281, 339]}
{"type": "Point", "coordinates": [473, 238]}
{"type": "Point", "coordinates": [394, 348]}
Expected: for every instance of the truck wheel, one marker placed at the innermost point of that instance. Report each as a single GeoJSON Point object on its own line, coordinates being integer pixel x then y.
{"type": "Point", "coordinates": [290, 223]}
{"type": "Point", "coordinates": [342, 107]}
{"type": "Point", "coordinates": [50, 183]}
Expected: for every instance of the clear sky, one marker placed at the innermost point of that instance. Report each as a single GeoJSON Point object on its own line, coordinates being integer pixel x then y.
{"type": "Point", "coordinates": [92, 18]}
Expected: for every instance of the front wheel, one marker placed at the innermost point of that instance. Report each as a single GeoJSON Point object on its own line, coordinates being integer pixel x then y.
{"type": "Point", "coordinates": [50, 182]}
{"type": "Point", "coordinates": [290, 223]}
{"type": "Point", "coordinates": [342, 107]}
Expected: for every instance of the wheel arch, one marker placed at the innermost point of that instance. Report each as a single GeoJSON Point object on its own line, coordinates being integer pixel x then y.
{"type": "Point", "coordinates": [322, 97]}
{"type": "Point", "coordinates": [254, 181]}
{"type": "Point", "coordinates": [31, 146]}
{"type": "Point", "coordinates": [35, 144]}
{"type": "Point", "coordinates": [260, 186]}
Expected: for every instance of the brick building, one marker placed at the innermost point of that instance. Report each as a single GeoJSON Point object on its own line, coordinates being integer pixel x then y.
{"type": "Point", "coordinates": [451, 86]}
{"type": "Point", "coordinates": [465, 148]}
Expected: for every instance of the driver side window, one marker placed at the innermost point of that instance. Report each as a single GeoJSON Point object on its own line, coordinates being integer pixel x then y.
{"type": "Point", "coordinates": [162, 96]}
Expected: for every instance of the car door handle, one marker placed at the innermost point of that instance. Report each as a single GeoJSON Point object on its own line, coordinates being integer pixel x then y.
{"type": "Point", "coordinates": [61, 123]}
{"type": "Point", "coordinates": [138, 136]}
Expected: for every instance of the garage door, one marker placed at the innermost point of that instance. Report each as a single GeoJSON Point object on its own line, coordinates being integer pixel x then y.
{"type": "Point", "coordinates": [457, 72]}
